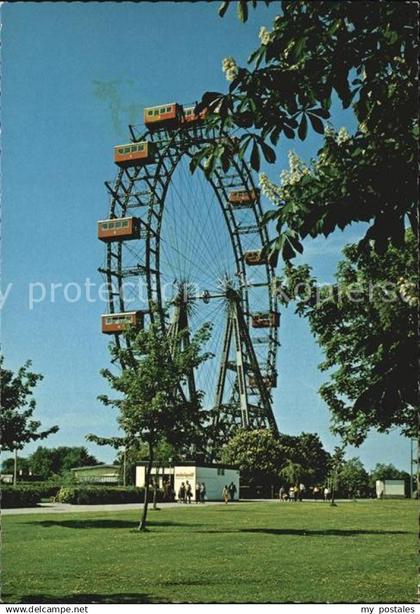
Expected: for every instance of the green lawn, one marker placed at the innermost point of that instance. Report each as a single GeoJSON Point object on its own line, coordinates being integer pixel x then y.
{"type": "Point", "coordinates": [258, 552]}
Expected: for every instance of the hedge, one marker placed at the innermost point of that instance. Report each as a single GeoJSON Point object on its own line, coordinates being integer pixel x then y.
{"type": "Point", "coordinates": [48, 490]}
{"type": "Point", "coordinates": [91, 495]}
{"type": "Point", "coordinates": [20, 496]}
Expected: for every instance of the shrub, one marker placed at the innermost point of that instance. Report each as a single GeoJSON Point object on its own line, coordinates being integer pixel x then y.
{"type": "Point", "coordinates": [20, 496]}
{"type": "Point", "coordinates": [91, 495]}
{"type": "Point", "coordinates": [48, 490]}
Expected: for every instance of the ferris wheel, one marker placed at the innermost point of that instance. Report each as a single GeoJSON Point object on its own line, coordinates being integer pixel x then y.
{"type": "Point", "coordinates": [191, 246]}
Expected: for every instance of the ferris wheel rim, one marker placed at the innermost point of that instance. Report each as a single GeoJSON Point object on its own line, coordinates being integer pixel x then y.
{"type": "Point", "coordinates": [153, 274]}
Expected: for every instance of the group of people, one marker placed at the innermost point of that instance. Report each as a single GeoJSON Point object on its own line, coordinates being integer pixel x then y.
{"type": "Point", "coordinates": [297, 492]}
{"type": "Point", "coordinates": [229, 492]}
{"type": "Point", "coordinates": [185, 492]}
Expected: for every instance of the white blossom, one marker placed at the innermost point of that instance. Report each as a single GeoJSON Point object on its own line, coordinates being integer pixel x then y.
{"type": "Point", "coordinates": [264, 35]}
{"type": "Point", "coordinates": [342, 136]}
{"type": "Point", "coordinates": [408, 291]}
{"type": "Point", "coordinates": [230, 68]}
{"type": "Point", "coordinates": [269, 189]}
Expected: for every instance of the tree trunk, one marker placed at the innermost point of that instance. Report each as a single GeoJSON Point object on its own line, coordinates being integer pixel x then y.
{"type": "Point", "coordinates": [333, 486]}
{"type": "Point", "coordinates": [142, 524]}
{"type": "Point", "coordinates": [155, 489]}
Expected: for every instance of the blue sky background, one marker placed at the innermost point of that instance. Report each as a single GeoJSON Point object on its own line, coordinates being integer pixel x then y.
{"type": "Point", "coordinates": [74, 75]}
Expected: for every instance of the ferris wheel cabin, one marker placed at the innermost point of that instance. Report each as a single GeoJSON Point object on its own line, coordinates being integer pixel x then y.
{"type": "Point", "coordinates": [119, 229]}
{"type": "Point", "coordinates": [134, 154]}
{"type": "Point", "coordinates": [164, 116]}
{"type": "Point", "coordinates": [189, 116]}
{"type": "Point", "coordinates": [242, 198]}
{"type": "Point", "coordinates": [115, 323]}
{"type": "Point", "coordinates": [256, 257]}
{"type": "Point", "coordinates": [265, 320]}
{"type": "Point", "coordinates": [269, 381]}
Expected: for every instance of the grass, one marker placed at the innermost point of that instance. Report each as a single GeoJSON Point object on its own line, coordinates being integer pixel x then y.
{"type": "Point", "coordinates": [256, 552]}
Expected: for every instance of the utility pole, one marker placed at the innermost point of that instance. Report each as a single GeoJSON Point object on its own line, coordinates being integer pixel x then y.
{"type": "Point", "coordinates": [15, 468]}
{"type": "Point", "coordinates": [411, 468]}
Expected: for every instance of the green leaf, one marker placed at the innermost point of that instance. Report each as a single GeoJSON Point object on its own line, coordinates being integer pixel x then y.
{"type": "Point", "coordinates": [321, 113]}
{"type": "Point", "coordinates": [303, 128]}
{"type": "Point", "coordinates": [223, 8]}
{"type": "Point", "coordinates": [317, 124]}
{"type": "Point", "coordinates": [268, 152]}
{"type": "Point", "coordinates": [242, 10]}
{"type": "Point", "coordinates": [255, 158]}
{"type": "Point", "coordinates": [290, 134]}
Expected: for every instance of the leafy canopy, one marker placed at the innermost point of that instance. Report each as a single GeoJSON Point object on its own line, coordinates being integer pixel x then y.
{"type": "Point", "coordinates": [365, 54]}
{"type": "Point", "coordinates": [152, 406]}
{"type": "Point", "coordinates": [17, 407]}
{"type": "Point", "coordinates": [366, 324]}
{"type": "Point", "coordinates": [259, 454]}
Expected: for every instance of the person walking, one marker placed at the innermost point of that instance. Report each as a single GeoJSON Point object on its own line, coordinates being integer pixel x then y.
{"type": "Point", "coordinates": [291, 494]}
{"type": "Point", "coordinates": [225, 494]}
{"type": "Point", "coordinates": [232, 491]}
{"type": "Point", "coordinates": [295, 493]}
{"type": "Point", "coordinates": [202, 492]}
{"type": "Point", "coordinates": [301, 491]}
{"type": "Point", "coordinates": [281, 494]}
{"type": "Point", "coordinates": [181, 493]}
{"type": "Point", "coordinates": [326, 493]}
{"type": "Point", "coordinates": [197, 492]}
{"type": "Point", "coordinates": [188, 492]}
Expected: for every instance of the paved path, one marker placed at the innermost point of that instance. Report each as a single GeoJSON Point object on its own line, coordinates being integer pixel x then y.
{"type": "Point", "coordinates": [60, 508]}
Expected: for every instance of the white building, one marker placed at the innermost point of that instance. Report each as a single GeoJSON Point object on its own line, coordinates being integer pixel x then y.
{"type": "Point", "coordinates": [214, 476]}
{"type": "Point", "coordinates": [390, 488]}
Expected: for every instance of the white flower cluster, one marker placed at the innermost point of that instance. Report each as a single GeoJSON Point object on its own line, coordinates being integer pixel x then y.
{"type": "Point", "coordinates": [269, 189]}
{"type": "Point", "coordinates": [297, 169]}
{"type": "Point", "coordinates": [342, 136]}
{"type": "Point", "coordinates": [230, 68]}
{"type": "Point", "coordinates": [288, 178]}
{"type": "Point", "coordinates": [264, 35]}
{"type": "Point", "coordinates": [407, 290]}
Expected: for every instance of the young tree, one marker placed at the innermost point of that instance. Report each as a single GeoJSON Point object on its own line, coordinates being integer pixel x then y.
{"type": "Point", "coordinates": [336, 464]}
{"type": "Point", "coordinates": [17, 408]}
{"type": "Point", "coordinates": [152, 405]}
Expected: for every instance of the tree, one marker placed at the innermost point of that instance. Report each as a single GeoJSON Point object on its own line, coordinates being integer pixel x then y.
{"type": "Point", "coordinates": [336, 464]}
{"type": "Point", "coordinates": [152, 405]}
{"type": "Point", "coordinates": [8, 465]}
{"type": "Point", "coordinates": [265, 459]}
{"type": "Point", "coordinates": [366, 325]}
{"type": "Point", "coordinates": [353, 478]}
{"type": "Point", "coordinates": [258, 455]}
{"type": "Point", "coordinates": [46, 462]}
{"type": "Point", "coordinates": [17, 407]}
{"type": "Point", "coordinates": [383, 471]}
{"type": "Point", "coordinates": [364, 53]}
{"type": "Point", "coordinates": [305, 451]}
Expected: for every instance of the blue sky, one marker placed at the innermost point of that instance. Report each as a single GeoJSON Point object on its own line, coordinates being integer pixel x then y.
{"type": "Point", "coordinates": [74, 75]}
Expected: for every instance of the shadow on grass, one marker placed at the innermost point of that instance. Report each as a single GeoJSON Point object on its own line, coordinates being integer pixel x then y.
{"type": "Point", "coordinates": [90, 598]}
{"type": "Point", "coordinates": [108, 523]}
{"type": "Point", "coordinates": [308, 532]}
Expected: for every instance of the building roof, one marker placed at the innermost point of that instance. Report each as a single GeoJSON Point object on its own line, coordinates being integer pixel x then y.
{"type": "Point", "coordinates": [86, 467]}
{"type": "Point", "coordinates": [189, 464]}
